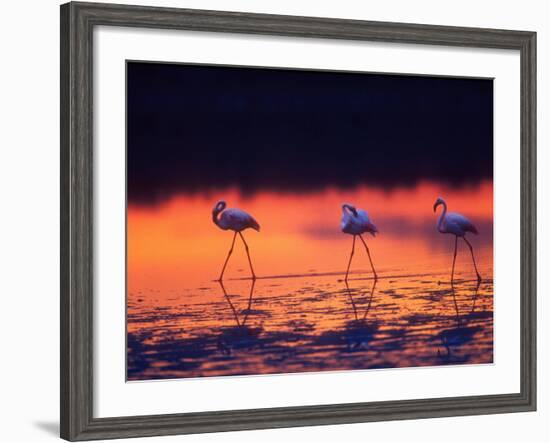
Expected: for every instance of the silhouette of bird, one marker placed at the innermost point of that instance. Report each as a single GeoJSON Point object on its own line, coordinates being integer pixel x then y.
{"type": "Point", "coordinates": [236, 220]}
{"type": "Point", "coordinates": [458, 225]}
{"type": "Point", "coordinates": [356, 222]}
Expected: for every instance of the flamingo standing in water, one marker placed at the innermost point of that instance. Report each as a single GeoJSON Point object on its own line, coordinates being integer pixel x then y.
{"type": "Point", "coordinates": [236, 220]}
{"type": "Point", "coordinates": [356, 222]}
{"type": "Point", "coordinates": [458, 225]}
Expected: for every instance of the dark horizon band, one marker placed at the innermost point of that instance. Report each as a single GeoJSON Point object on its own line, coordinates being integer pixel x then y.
{"type": "Point", "coordinates": [195, 128]}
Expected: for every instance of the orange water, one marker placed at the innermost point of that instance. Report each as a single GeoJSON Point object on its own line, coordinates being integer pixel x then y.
{"type": "Point", "coordinates": [300, 315]}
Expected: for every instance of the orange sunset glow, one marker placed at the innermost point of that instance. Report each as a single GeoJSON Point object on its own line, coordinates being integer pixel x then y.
{"type": "Point", "coordinates": [175, 252]}
{"type": "Point", "coordinates": [176, 244]}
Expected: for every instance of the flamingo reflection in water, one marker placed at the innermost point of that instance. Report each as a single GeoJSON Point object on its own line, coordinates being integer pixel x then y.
{"type": "Point", "coordinates": [356, 222]}
{"type": "Point", "coordinates": [240, 336]}
{"type": "Point", "coordinates": [354, 306]}
{"type": "Point", "coordinates": [454, 338]}
{"type": "Point", "coordinates": [356, 334]}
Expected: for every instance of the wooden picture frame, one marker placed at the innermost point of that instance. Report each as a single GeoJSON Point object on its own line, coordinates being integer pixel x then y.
{"type": "Point", "coordinates": [77, 23]}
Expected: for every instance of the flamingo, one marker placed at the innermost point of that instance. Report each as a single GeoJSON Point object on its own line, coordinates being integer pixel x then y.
{"type": "Point", "coordinates": [458, 225]}
{"type": "Point", "coordinates": [236, 220]}
{"type": "Point", "coordinates": [356, 222]}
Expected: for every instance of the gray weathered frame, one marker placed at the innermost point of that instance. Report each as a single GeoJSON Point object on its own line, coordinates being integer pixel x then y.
{"type": "Point", "coordinates": [77, 23]}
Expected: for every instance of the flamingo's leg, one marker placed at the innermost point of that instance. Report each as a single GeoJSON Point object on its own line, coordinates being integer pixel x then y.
{"type": "Point", "coordinates": [370, 259]}
{"type": "Point", "coordinates": [228, 255]}
{"type": "Point", "coordinates": [473, 258]}
{"type": "Point", "coordinates": [454, 260]}
{"type": "Point", "coordinates": [350, 257]}
{"type": "Point", "coordinates": [248, 255]}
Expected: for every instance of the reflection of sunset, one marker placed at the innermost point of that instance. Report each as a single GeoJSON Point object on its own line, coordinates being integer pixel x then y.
{"type": "Point", "coordinates": [176, 245]}
{"type": "Point", "coordinates": [183, 324]}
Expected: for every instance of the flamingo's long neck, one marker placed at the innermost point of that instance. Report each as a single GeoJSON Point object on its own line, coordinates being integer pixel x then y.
{"type": "Point", "coordinates": [348, 209]}
{"type": "Point", "coordinates": [215, 219]}
{"type": "Point", "coordinates": [440, 226]}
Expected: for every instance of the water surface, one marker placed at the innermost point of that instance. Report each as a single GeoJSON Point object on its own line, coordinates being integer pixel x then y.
{"type": "Point", "coordinates": [300, 315]}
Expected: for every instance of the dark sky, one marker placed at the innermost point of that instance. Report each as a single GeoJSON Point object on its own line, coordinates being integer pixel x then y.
{"type": "Point", "coordinates": [201, 128]}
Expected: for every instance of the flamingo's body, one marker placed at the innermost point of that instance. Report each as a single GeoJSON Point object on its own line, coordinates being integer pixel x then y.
{"type": "Point", "coordinates": [459, 226]}
{"type": "Point", "coordinates": [236, 220]}
{"type": "Point", "coordinates": [356, 222]}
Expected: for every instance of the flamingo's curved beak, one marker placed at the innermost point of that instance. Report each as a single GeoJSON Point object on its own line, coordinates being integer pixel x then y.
{"type": "Point", "coordinates": [436, 204]}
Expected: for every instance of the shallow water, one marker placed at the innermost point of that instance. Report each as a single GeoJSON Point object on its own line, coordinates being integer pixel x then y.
{"type": "Point", "coordinates": [310, 323]}
{"type": "Point", "coordinates": [300, 315]}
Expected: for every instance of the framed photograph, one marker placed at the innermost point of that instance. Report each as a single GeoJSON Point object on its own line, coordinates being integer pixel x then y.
{"type": "Point", "coordinates": [273, 221]}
